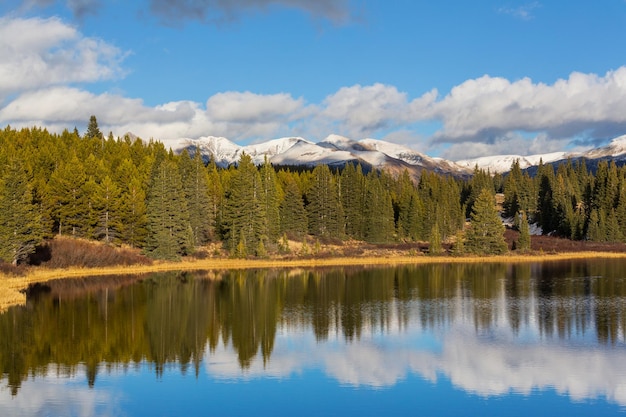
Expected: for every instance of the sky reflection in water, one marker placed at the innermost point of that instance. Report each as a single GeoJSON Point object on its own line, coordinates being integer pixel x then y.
{"type": "Point", "coordinates": [444, 340]}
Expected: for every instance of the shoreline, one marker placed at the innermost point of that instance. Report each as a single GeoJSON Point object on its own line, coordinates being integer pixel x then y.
{"type": "Point", "coordinates": [12, 287]}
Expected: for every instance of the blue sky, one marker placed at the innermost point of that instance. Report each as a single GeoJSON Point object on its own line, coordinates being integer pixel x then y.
{"type": "Point", "coordinates": [449, 78]}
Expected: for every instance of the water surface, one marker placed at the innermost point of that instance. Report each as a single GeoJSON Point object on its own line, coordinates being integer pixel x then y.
{"type": "Point", "coordinates": [535, 339]}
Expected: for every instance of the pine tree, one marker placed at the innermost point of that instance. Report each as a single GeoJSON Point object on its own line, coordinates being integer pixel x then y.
{"type": "Point", "coordinates": [523, 242]}
{"type": "Point", "coordinates": [66, 194]}
{"type": "Point", "coordinates": [216, 199]}
{"type": "Point", "coordinates": [195, 179]}
{"type": "Point", "coordinates": [271, 195]}
{"type": "Point", "coordinates": [409, 209]}
{"type": "Point", "coordinates": [93, 131]}
{"type": "Point", "coordinates": [168, 218]}
{"type": "Point", "coordinates": [486, 232]}
{"type": "Point", "coordinates": [244, 214]}
{"type": "Point", "coordinates": [434, 247]}
{"type": "Point", "coordinates": [324, 210]}
{"type": "Point", "coordinates": [106, 204]}
{"type": "Point", "coordinates": [379, 214]}
{"type": "Point", "coordinates": [354, 200]}
{"type": "Point", "coordinates": [293, 217]}
{"type": "Point", "coordinates": [20, 222]}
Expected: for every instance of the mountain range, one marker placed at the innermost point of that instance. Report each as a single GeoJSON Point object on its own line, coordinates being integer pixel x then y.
{"type": "Point", "coordinates": [337, 150]}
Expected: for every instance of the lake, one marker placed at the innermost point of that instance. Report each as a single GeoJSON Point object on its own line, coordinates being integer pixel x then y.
{"type": "Point", "coordinates": [461, 339]}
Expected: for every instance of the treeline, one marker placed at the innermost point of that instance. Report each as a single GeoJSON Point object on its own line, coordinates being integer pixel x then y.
{"type": "Point", "coordinates": [139, 194]}
{"type": "Point", "coordinates": [131, 192]}
{"type": "Point", "coordinates": [571, 201]}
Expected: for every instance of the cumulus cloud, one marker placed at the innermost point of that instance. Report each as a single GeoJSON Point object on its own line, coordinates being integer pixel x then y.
{"type": "Point", "coordinates": [486, 109]}
{"type": "Point", "coordinates": [359, 111]}
{"type": "Point", "coordinates": [44, 52]}
{"type": "Point", "coordinates": [247, 107]}
{"type": "Point", "coordinates": [239, 116]}
{"type": "Point", "coordinates": [511, 143]}
{"type": "Point", "coordinates": [216, 11]}
{"type": "Point", "coordinates": [44, 60]}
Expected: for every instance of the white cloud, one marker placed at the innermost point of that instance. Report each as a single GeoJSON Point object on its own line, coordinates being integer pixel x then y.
{"type": "Point", "coordinates": [247, 107]}
{"type": "Point", "coordinates": [510, 143]}
{"type": "Point", "coordinates": [37, 53]}
{"type": "Point", "coordinates": [359, 111]}
{"type": "Point", "coordinates": [488, 108]}
{"type": "Point", "coordinates": [44, 59]}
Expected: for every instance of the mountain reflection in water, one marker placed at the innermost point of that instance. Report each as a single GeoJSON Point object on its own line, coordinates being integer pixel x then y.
{"type": "Point", "coordinates": [490, 329]}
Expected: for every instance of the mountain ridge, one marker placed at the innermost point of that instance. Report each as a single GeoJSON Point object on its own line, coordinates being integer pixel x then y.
{"type": "Point", "coordinates": [336, 150]}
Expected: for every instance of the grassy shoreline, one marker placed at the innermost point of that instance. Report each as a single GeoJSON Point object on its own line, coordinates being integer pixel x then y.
{"type": "Point", "coordinates": [12, 287]}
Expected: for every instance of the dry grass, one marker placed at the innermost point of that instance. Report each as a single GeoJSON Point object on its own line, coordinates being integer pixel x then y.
{"type": "Point", "coordinates": [12, 287]}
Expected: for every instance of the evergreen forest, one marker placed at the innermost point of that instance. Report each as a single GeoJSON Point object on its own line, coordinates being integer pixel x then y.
{"type": "Point", "coordinates": [126, 191]}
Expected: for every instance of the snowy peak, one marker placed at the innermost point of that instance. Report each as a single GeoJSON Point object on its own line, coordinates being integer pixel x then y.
{"type": "Point", "coordinates": [617, 147]}
{"type": "Point", "coordinates": [339, 150]}
{"type": "Point", "coordinates": [271, 148]}
{"type": "Point", "coordinates": [502, 163]}
{"type": "Point", "coordinates": [334, 150]}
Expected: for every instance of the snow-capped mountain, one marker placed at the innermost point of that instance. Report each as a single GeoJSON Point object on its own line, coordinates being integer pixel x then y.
{"type": "Point", "coordinates": [334, 150]}
{"type": "Point", "coordinates": [338, 150]}
{"type": "Point", "coordinates": [502, 163]}
{"type": "Point", "coordinates": [616, 150]}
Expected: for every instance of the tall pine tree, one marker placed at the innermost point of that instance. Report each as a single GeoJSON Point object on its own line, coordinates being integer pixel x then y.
{"type": "Point", "coordinates": [486, 232]}
{"type": "Point", "coordinates": [20, 222]}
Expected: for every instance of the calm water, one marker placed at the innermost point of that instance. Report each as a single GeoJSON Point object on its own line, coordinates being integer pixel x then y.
{"type": "Point", "coordinates": [486, 340]}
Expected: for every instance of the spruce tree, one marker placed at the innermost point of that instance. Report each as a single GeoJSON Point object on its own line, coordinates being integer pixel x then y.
{"type": "Point", "coordinates": [244, 215]}
{"type": "Point", "coordinates": [325, 212]}
{"type": "Point", "coordinates": [67, 195]}
{"type": "Point", "coordinates": [434, 247]}
{"type": "Point", "coordinates": [523, 242]}
{"type": "Point", "coordinates": [486, 232]}
{"type": "Point", "coordinates": [271, 195]}
{"type": "Point", "coordinates": [354, 200]}
{"type": "Point", "coordinates": [106, 204]}
{"type": "Point", "coordinates": [195, 179]}
{"type": "Point", "coordinates": [379, 215]}
{"type": "Point", "coordinates": [93, 131]}
{"type": "Point", "coordinates": [20, 222]}
{"type": "Point", "coordinates": [293, 217]}
{"type": "Point", "coordinates": [168, 218]}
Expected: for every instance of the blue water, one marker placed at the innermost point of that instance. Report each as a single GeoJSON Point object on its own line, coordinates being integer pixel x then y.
{"type": "Point", "coordinates": [532, 354]}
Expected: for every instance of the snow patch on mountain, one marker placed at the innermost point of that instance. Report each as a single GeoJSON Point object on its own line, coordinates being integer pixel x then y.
{"type": "Point", "coordinates": [502, 163]}
{"type": "Point", "coordinates": [310, 154]}
{"type": "Point", "coordinates": [617, 147]}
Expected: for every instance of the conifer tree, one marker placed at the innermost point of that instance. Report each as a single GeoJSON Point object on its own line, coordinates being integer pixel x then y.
{"type": "Point", "coordinates": [354, 200]}
{"type": "Point", "coordinates": [168, 218]}
{"type": "Point", "coordinates": [523, 242]}
{"type": "Point", "coordinates": [410, 209]}
{"type": "Point", "coordinates": [195, 181]}
{"type": "Point", "coordinates": [20, 222]}
{"type": "Point", "coordinates": [106, 203]}
{"type": "Point", "coordinates": [379, 214]}
{"type": "Point", "coordinates": [68, 198]}
{"type": "Point", "coordinates": [486, 232]}
{"type": "Point", "coordinates": [93, 131]}
{"type": "Point", "coordinates": [244, 214]}
{"type": "Point", "coordinates": [216, 199]}
{"type": "Point", "coordinates": [324, 210]}
{"type": "Point", "coordinates": [271, 195]}
{"type": "Point", "coordinates": [434, 247]}
{"type": "Point", "coordinates": [293, 217]}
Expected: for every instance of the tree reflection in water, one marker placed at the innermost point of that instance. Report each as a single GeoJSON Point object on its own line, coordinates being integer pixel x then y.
{"type": "Point", "coordinates": [174, 318]}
